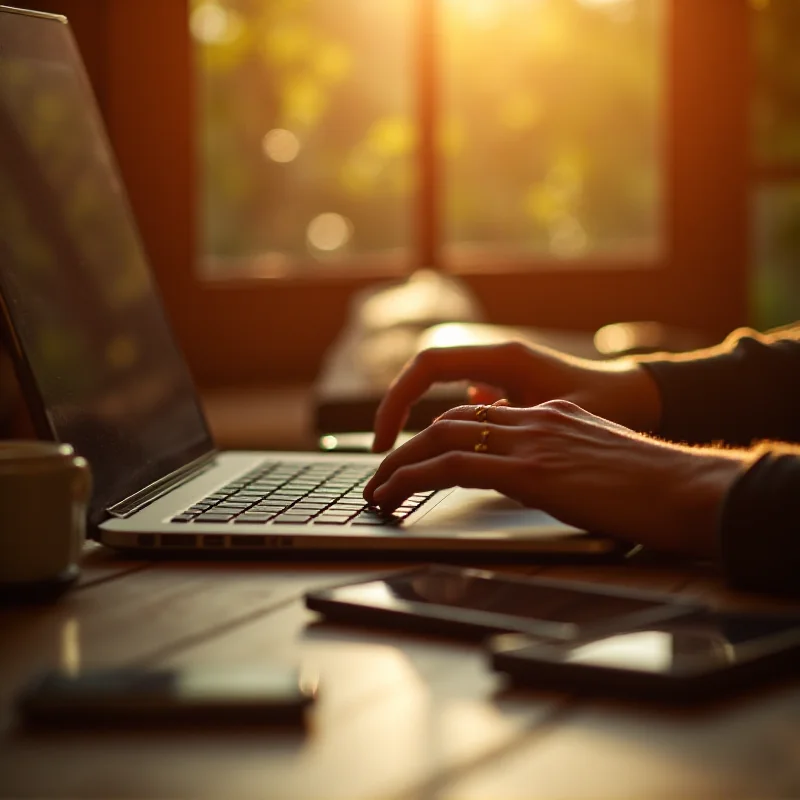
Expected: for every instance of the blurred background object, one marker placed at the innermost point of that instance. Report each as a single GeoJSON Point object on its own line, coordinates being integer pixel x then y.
{"type": "Point", "coordinates": [572, 163]}
{"type": "Point", "coordinates": [639, 338]}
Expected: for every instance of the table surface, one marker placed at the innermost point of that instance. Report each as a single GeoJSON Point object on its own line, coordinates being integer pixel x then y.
{"type": "Point", "coordinates": [398, 716]}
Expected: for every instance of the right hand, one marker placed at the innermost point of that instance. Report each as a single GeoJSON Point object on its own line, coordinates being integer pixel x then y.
{"type": "Point", "coordinates": [620, 391]}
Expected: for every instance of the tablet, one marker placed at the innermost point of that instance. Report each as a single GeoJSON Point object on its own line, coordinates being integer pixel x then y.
{"type": "Point", "coordinates": [472, 602]}
{"type": "Point", "coordinates": [690, 658]}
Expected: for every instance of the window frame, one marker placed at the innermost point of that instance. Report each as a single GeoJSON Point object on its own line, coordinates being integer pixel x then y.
{"type": "Point", "coordinates": [277, 329]}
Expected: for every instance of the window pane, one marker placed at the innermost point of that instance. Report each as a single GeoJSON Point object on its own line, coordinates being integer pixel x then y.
{"type": "Point", "coordinates": [776, 30]}
{"type": "Point", "coordinates": [776, 293]}
{"type": "Point", "coordinates": [551, 125]}
{"type": "Point", "coordinates": [305, 130]}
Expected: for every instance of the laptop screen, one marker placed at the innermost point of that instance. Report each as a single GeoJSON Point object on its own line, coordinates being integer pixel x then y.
{"type": "Point", "coordinates": [100, 365]}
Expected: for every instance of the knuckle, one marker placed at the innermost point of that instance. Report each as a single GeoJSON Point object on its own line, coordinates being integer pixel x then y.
{"type": "Point", "coordinates": [419, 363]}
{"type": "Point", "coordinates": [459, 412]}
{"type": "Point", "coordinates": [546, 415]}
{"type": "Point", "coordinates": [443, 431]}
{"type": "Point", "coordinates": [561, 406]}
{"type": "Point", "coordinates": [514, 350]}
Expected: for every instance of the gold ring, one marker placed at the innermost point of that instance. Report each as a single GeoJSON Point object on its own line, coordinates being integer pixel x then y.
{"type": "Point", "coordinates": [481, 446]}
{"type": "Point", "coordinates": [482, 413]}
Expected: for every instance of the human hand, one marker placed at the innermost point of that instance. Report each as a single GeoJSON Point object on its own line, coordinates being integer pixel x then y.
{"type": "Point", "coordinates": [621, 391]}
{"type": "Point", "coordinates": [580, 468]}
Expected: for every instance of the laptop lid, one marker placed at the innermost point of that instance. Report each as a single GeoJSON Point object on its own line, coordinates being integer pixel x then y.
{"type": "Point", "coordinates": [95, 355]}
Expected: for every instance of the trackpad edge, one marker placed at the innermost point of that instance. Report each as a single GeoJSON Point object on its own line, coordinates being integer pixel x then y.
{"type": "Point", "coordinates": [478, 512]}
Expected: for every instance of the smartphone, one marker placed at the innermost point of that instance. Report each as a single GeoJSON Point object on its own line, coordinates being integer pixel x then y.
{"type": "Point", "coordinates": [268, 695]}
{"type": "Point", "coordinates": [460, 601]}
{"type": "Point", "coordinates": [692, 658]}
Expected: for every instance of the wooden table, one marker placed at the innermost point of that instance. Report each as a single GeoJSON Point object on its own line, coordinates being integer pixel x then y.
{"type": "Point", "coordinates": [399, 716]}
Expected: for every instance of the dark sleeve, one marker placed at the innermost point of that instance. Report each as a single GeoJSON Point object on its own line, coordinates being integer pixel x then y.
{"type": "Point", "coordinates": [746, 389]}
{"type": "Point", "coordinates": [760, 525]}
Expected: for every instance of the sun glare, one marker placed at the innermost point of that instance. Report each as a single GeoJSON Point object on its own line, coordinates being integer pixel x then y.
{"type": "Point", "coordinates": [481, 13]}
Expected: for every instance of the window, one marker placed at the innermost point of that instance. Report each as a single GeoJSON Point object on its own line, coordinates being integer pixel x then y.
{"type": "Point", "coordinates": [633, 203]}
{"type": "Point", "coordinates": [776, 173]}
{"type": "Point", "coordinates": [540, 134]}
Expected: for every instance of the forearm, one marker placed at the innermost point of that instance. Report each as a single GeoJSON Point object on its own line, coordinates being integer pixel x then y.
{"type": "Point", "coordinates": [739, 506]}
{"type": "Point", "coordinates": [745, 389]}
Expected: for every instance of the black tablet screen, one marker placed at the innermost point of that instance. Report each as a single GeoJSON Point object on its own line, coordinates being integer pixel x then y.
{"type": "Point", "coordinates": [478, 596]}
{"type": "Point", "coordinates": [683, 645]}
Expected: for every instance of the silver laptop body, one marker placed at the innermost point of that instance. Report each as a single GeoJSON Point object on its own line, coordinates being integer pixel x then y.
{"type": "Point", "coordinates": [100, 367]}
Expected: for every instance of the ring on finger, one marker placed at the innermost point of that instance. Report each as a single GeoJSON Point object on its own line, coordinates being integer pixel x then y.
{"type": "Point", "coordinates": [482, 445]}
{"type": "Point", "coordinates": [482, 413]}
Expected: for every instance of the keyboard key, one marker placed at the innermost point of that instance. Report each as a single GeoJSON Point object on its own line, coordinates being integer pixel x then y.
{"type": "Point", "coordinates": [333, 514]}
{"type": "Point", "coordinates": [376, 520]}
{"type": "Point", "coordinates": [214, 517]}
{"type": "Point", "coordinates": [183, 518]}
{"type": "Point", "coordinates": [252, 518]}
{"type": "Point", "coordinates": [292, 519]}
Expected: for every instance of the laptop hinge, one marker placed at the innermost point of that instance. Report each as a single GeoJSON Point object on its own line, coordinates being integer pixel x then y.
{"type": "Point", "coordinates": [149, 494]}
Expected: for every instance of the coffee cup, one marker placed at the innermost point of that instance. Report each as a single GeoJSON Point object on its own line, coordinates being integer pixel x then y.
{"type": "Point", "coordinates": [44, 493]}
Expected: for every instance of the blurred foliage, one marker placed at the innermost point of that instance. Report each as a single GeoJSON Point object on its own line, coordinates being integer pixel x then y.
{"type": "Point", "coordinates": [776, 129]}
{"type": "Point", "coordinates": [776, 288]}
{"type": "Point", "coordinates": [555, 107]}
{"type": "Point", "coordinates": [549, 115]}
{"type": "Point", "coordinates": [330, 77]}
{"type": "Point", "coordinates": [550, 126]}
{"type": "Point", "coordinates": [776, 106]}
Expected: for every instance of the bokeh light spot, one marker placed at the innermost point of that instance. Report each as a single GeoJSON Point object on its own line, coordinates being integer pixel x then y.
{"type": "Point", "coordinates": [329, 232]}
{"type": "Point", "coordinates": [281, 145]}
{"type": "Point", "coordinates": [210, 23]}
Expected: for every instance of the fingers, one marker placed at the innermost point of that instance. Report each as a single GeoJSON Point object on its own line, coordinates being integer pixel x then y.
{"type": "Point", "coordinates": [442, 437]}
{"type": "Point", "coordinates": [499, 413]}
{"type": "Point", "coordinates": [486, 364]}
{"type": "Point", "coordinates": [457, 468]}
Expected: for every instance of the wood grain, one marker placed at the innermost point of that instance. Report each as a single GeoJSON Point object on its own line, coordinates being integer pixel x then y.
{"type": "Point", "coordinates": [398, 715]}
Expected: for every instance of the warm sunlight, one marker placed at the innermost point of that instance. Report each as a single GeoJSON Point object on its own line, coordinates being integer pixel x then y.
{"type": "Point", "coordinates": [482, 13]}
{"type": "Point", "coordinates": [548, 113]}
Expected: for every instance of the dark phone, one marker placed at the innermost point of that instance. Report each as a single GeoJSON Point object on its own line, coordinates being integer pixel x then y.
{"type": "Point", "coordinates": [270, 695]}
{"type": "Point", "coordinates": [470, 602]}
{"type": "Point", "coordinates": [693, 658]}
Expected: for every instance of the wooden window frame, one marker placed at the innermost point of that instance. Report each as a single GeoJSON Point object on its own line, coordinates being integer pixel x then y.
{"type": "Point", "coordinates": [273, 330]}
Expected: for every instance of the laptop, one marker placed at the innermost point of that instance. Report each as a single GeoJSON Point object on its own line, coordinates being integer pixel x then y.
{"type": "Point", "coordinates": [100, 367]}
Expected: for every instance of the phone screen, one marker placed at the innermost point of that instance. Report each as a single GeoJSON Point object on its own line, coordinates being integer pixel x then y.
{"type": "Point", "coordinates": [173, 685]}
{"type": "Point", "coordinates": [119, 695]}
{"type": "Point", "coordinates": [683, 645]}
{"type": "Point", "coordinates": [549, 608]}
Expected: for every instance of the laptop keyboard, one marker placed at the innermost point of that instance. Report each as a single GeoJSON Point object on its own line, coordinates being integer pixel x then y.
{"type": "Point", "coordinates": [298, 494]}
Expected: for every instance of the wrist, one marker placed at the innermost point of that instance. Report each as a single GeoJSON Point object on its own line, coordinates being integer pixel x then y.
{"type": "Point", "coordinates": [702, 482]}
